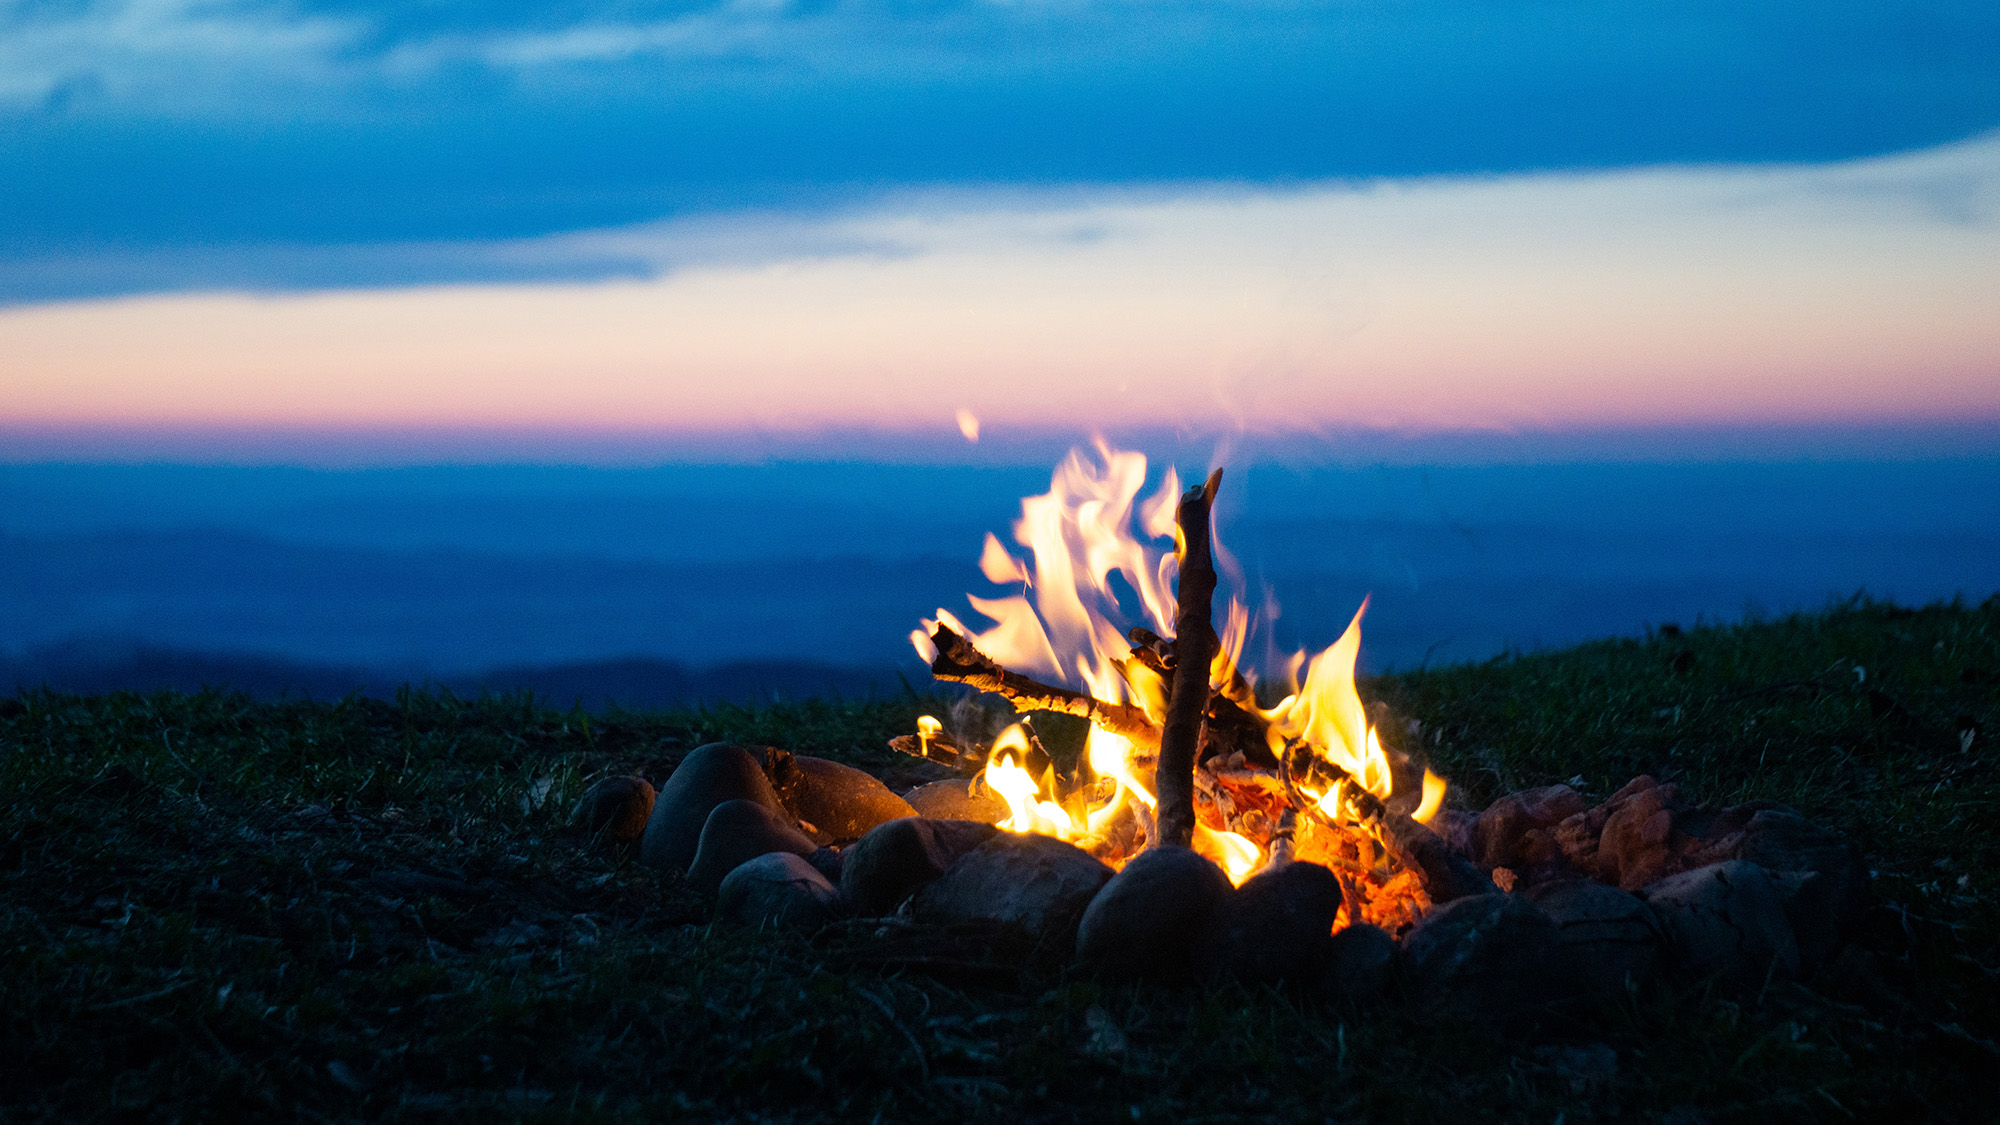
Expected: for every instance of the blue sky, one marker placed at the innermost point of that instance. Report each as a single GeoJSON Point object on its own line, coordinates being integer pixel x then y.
{"type": "Point", "coordinates": [162, 145]}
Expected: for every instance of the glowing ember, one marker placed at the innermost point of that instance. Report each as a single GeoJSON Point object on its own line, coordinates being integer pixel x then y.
{"type": "Point", "coordinates": [1306, 777]}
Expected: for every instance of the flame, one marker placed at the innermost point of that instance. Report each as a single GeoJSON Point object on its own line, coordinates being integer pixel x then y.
{"type": "Point", "coordinates": [1433, 799]}
{"type": "Point", "coordinates": [968, 424]}
{"type": "Point", "coordinates": [1235, 854]}
{"type": "Point", "coordinates": [1027, 806]}
{"type": "Point", "coordinates": [1098, 560]}
{"type": "Point", "coordinates": [1327, 715]}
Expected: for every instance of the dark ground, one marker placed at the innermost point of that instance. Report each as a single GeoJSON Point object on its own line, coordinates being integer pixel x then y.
{"type": "Point", "coordinates": [215, 908]}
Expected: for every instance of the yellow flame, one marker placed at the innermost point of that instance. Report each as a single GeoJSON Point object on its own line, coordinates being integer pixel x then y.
{"type": "Point", "coordinates": [927, 729]}
{"type": "Point", "coordinates": [1433, 799]}
{"type": "Point", "coordinates": [1236, 855]}
{"type": "Point", "coordinates": [1027, 806]}
{"type": "Point", "coordinates": [968, 424]}
{"type": "Point", "coordinates": [1097, 559]}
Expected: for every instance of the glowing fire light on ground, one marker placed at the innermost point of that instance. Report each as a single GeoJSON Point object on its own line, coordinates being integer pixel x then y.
{"type": "Point", "coordinates": [1095, 598]}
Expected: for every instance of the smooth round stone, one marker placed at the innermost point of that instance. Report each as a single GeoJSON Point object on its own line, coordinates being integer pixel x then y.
{"type": "Point", "coordinates": [895, 860]}
{"type": "Point", "coordinates": [1145, 923]}
{"type": "Point", "coordinates": [1610, 939]}
{"type": "Point", "coordinates": [1824, 875]}
{"type": "Point", "coordinates": [615, 809]}
{"type": "Point", "coordinates": [1037, 883]}
{"type": "Point", "coordinates": [840, 803]}
{"type": "Point", "coordinates": [739, 831]}
{"type": "Point", "coordinates": [707, 777]}
{"type": "Point", "coordinates": [1278, 926]}
{"type": "Point", "coordinates": [777, 889]}
{"type": "Point", "coordinates": [1494, 956]}
{"type": "Point", "coordinates": [954, 799]}
{"type": "Point", "coordinates": [1360, 963]}
{"type": "Point", "coordinates": [1726, 921]}
{"type": "Point", "coordinates": [826, 861]}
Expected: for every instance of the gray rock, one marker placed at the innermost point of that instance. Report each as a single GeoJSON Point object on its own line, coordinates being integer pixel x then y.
{"type": "Point", "coordinates": [615, 809]}
{"type": "Point", "coordinates": [1038, 883]}
{"type": "Point", "coordinates": [826, 861]}
{"type": "Point", "coordinates": [708, 776]}
{"type": "Point", "coordinates": [1823, 873]}
{"type": "Point", "coordinates": [1725, 921]}
{"type": "Point", "coordinates": [1148, 920]}
{"type": "Point", "coordinates": [955, 799]}
{"type": "Point", "coordinates": [737, 832]}
{"type": "Point", "coordinates": [894, 860]}
{"type": "Point", "coordinates": [1278, 926]}
{"type": "Point", "coordinates": [836, 802]}
{"type": "Point", "coordinates": [777, 889]}
{"type": "Point", "coordinates": [1610, 939]}
{"type": "Point", "coordinates": [1494, 956]}
{"type": "Point", "coordinates": [1360, 964]}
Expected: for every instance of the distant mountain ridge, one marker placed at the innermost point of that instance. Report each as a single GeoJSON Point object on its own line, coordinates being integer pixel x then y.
{"type": "Point", "coordinates": [93, 665]}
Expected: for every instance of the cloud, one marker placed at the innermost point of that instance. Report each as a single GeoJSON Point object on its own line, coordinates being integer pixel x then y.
{"type": "Point", "coordinates": [1720, 296]}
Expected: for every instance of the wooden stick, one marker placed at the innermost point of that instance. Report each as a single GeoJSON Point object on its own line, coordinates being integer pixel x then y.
{"type": "Point", "coordinates": [1194, 650]}
{"type": "Point", "coordinates": [960, 662]}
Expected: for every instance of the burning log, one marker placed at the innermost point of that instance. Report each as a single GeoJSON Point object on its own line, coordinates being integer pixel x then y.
{"type": "Point", "coordinates": [1194, 649]}
{"type": "Point", "coordinates": [958, 661]}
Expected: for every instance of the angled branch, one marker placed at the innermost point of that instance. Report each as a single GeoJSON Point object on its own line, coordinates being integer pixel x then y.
{"type": "Point", "coordinates": [958, 661]}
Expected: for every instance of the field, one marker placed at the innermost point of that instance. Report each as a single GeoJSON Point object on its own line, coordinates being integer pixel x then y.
{"type": "Point", "coordinates": [214, 908]}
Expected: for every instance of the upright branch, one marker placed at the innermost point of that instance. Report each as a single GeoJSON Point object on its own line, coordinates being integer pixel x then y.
{"type": "Point", "coordinates": [1194, 651]}
{"type": "Point", "coordinates": [959, 661]}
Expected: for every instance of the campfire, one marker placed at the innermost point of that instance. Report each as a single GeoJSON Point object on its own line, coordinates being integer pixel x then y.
{"type": "Point", "coordinates": [1186, 744]}
{"type": "Point", "coordinates": [1224, 817]}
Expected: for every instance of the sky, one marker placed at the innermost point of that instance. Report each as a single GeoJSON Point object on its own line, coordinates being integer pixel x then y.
{"type": "Point", "coordinates": [1257, 216]}
{"type": "Point", "coordinates": [1534, 320]}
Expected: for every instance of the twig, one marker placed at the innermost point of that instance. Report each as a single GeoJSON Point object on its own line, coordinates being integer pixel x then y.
{"type": "Point", "coordinates": [959, 661]}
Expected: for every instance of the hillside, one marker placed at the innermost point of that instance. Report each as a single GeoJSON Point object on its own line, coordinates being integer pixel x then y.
{"type": "Point", "coordinates": [216, 907]}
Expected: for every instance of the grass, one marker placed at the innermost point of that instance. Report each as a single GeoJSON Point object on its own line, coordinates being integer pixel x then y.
{"type": "Point", "coordinates": [213, 908]}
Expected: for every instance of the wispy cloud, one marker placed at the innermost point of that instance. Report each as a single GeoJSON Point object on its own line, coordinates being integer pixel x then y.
{"type": "Point", "coordinates": [1782, 294]}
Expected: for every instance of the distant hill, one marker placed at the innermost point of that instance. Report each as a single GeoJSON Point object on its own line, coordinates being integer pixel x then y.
{"type": "Point", "coordinates": [90, 666]}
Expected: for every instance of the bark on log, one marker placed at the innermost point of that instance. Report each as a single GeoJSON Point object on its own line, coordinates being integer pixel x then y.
{"type": "Point", "coordinates": [1194, 650]}
{"type": "Point", "coordinates": [960, 662]}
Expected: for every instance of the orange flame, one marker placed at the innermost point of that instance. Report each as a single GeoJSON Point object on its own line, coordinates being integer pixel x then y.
{"type": "Point", "coordinates": [1099, 559]}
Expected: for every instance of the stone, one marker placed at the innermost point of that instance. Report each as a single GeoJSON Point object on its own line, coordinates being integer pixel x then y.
{"type": "Point", "coordinates": [615, 809]}
{"type": "Point", "coordinates": [1725, 921]}
{"type": "Point", "coordinates": [1610, 939]}
{"type": "Point", "coordinates": [1037, 883]}
{"type": "Point", "coordinates": [1636, 846]}
{"type": "Point", "coordinates": [1497, 957]}
{"type": "Point", "coordinates": [1501, 835]}
{"type": "Point", "coordinates": [708, 776]}
{"type": "Point", "coordinates": [1147, 921]}
{"type": "Point", "coordinates": [957, 799]}
{"type": "Point", "coordinates": [1823, 873]}
{"type": "Point", "coordinates": [826, 861]}
{"type": "Point", "coordinates": [837, 803]}
{"type": "Point", "coordinates": [894, 860]}
{"type": "Point", "coordinates": [777, 889]}
{"type": "Point", "coordinates": [1278, 926]}
{"type": "Point", "coordinates": [1360, 964]}
{"type": "Point", "coordinates": [736, 832]}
